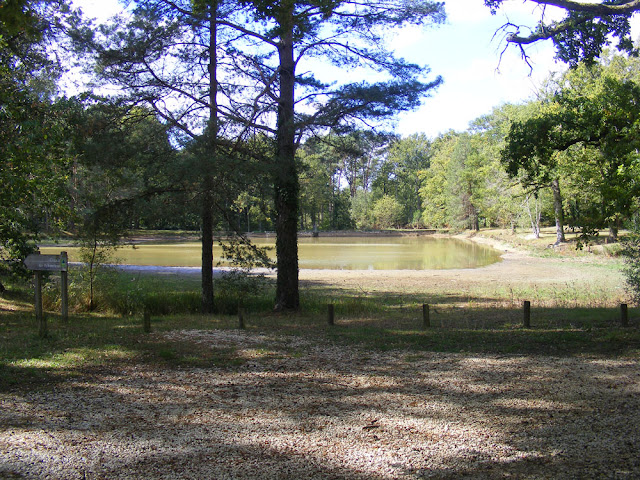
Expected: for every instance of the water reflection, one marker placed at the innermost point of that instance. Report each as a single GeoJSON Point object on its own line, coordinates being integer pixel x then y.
{"type": "Point", "coordinates": [343, 253]}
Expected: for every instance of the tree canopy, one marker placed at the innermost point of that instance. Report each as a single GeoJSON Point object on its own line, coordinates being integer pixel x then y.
{"type": "Point", "coordinates": [587, 28]}
{"type": "Point", "coordinates": [590, 126]}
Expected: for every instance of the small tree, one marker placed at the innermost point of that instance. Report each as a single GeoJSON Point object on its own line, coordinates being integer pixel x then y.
{"type": "Point", "coordinates": [387, 212]}
{"type": "Point", "coordinates": [98, 241]}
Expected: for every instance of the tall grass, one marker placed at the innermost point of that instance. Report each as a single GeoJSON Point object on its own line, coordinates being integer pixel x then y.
{"type": "Point", "coordinates": [121, 293]}
{"type": "Point", "coordinates": [477, 306]}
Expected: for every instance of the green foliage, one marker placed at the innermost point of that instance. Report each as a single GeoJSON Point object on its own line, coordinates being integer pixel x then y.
{"type": "Point", "coordinates": [318, 183]}
{"type": "Point", "coordinates": [362, 210]}
{"type": "Point", "coordinates": [465, 183]}
{"type": "Point", "coordinates": [631, 254]}
{"type": "Point", "coordinates": [33, 169]}
{"type": "Point", "coordinates": [586, 29]}
{"type": "Point", "coordinates": [399, 174]}
{"type": "Point", "coordinates": [96, 250]}
{"type": "Point", "coordinates": [586, 135]}
{"type": "Point", "coordinates": [387, 212]}
{"type": "Point", "coordinates": [434, 189]}
{"type": "Point", "coordinates": [241, 253]}
{"type": "Point", "coordinates": [33, 131]}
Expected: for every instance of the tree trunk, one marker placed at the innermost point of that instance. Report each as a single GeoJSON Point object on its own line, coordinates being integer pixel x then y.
{"type": "Point", "coordinates": [613, 230]}
{"type": "Point", "coordinates": [207, 184]}
{"type": "Point", "coordinates": [207, 247]}
{"type": "Point", "coordinates": [557, 207]}
{"type": "Point", "coordinates": [286, 184]}
{"type": "Point", "coordinates": [475, 219]}
{"type": "Point", "coordinates": [533, 217]}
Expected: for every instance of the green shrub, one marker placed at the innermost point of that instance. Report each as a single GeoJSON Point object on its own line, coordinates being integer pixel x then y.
{"type": "Point", "coordinates": [387, 212]}
{"type": "Point", "coordinates": [631, 255]}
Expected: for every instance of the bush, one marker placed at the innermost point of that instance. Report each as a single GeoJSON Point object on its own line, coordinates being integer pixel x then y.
{"type": "Point", "coordinates": [388, 212]}
{"type": "Point", "coordinates": [631, 255]}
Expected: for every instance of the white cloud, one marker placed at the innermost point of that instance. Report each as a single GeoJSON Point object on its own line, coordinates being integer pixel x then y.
{"type": "Point", "coordinates": [101, 10]}
{"type": "Point", "coordinates": [465, 11]}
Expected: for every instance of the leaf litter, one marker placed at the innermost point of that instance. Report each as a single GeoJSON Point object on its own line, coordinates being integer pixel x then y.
{"type": "Point", "coordinates": [320, 410]}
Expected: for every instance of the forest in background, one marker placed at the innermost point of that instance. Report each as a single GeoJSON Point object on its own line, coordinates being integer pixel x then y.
{"type": "Point", "coordinates": [117, 159]}
{"type": "Point", "coordinates": [180, 148]}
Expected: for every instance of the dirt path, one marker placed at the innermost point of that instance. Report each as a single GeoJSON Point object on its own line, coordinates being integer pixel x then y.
{"type": "Point", "coordinates": [295, 409]}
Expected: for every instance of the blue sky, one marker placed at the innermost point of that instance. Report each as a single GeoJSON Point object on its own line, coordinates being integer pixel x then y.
{"type": "Point", "coordinates": [464, 52]}
{"type": "Point", "coordinates": [468, 56]}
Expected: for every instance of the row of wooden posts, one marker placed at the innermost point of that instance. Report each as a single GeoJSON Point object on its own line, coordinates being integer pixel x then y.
{"type": "Point", "coordinates": [426, 316]}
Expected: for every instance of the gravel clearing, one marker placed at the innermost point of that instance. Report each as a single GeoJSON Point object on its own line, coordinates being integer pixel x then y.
{"type": "Point", "coordinates": [312, 410]}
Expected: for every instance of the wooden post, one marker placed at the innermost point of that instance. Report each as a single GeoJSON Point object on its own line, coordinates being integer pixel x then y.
{"type": "Point", "coordinates": [41, 319]}
{"type": "Point", "coordinates": [241, 324]}
{"type": "Point", "coordinates": [426, 319]}
{"type": "Point", "coordinates": [330, 314]}
{"type": "Point", "coordinates": [624, 315]}
{"type": "Point", "coordinates": [146, 321]}
{"type": "Point", "coordinates": [527, 314]}
{"type": "Point", "coordinates": [64, 286]}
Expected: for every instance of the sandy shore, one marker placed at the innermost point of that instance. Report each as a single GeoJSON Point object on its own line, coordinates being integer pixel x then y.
{"type": "Point", "coordinates": [517, 268]}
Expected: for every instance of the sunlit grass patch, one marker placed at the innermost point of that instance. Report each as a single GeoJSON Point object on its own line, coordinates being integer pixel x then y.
{"type": "Point", "coordinates": [76, 357]}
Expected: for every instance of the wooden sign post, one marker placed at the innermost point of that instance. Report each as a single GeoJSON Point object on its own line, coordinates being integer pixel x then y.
{"type": "Point", "coordinates": [49, 263]}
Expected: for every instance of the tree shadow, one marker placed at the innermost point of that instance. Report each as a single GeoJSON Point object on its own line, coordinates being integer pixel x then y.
{"type": "Point", "coordinates": [302, 409]}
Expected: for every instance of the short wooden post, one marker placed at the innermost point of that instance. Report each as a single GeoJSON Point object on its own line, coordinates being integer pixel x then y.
{"type": "Point", "coordinates": [146, 321]}
{"type": "Point", "coordinates": [426, 319]}
{"type": "Point", "coordinates": [241, 324]}
{"type": "Point", "coordinates": [527, 314]}
{"type": "Point", "coordinates": [41, 319]}
{"type": "Point", "coordinates": [64, 286]}
{"type": "Point", "coordinates": [624, 315]}
{"type": "Point", "coordinates": [330, 314]}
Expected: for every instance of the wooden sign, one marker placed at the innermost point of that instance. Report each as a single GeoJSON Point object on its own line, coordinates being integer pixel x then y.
{"type": "Point", "coordinates": [49, 263]}
{"type": "Point", "coordinates": [46, 263]}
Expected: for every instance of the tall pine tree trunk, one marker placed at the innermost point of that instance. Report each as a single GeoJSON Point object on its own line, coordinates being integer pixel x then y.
{"type": "Point", "coordinates": [207, 246]}
{"type": "Point", "coordinates": [559, 214]}
{"type": "Point", "coordinates": [207, 184]}
{"type": "Point", "coordinates": [286, 185]}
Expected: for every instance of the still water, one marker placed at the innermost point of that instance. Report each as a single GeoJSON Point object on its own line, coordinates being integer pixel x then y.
{"type": "Point", "coordinates": [341, 253]}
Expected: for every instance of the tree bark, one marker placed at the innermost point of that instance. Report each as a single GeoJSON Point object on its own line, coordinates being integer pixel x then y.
{"type": "Point", "coordinates": [207, 247]}
{"type": "Point", "coordinates": [475, 219]}
{"type": "Point", "coordinates": [207, 184]}
{"type": "Point", "coordinates": [535, 219]}
{"type": "Point", "coordinates": [613, 230]}
{"type": "Point", "coordinates": [286, 184]}
{"type": "Point", "coordinates": [559, 214]}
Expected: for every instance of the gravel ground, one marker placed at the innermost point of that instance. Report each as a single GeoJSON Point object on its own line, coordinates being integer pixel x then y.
{"type": "Point", "coordinates": [293, 409]}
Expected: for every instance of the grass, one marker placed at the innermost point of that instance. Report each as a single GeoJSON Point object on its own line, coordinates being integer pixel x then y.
{"type": "Point", "coordinates": [86, 342]}
{"type": "Point", "coordinates": [542, 246]}
{"type": "Point", "coordinates": [578, 317]}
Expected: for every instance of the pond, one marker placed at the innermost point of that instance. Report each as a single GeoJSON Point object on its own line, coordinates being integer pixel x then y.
{"type": "Point", "coordinates": [371, 252]}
